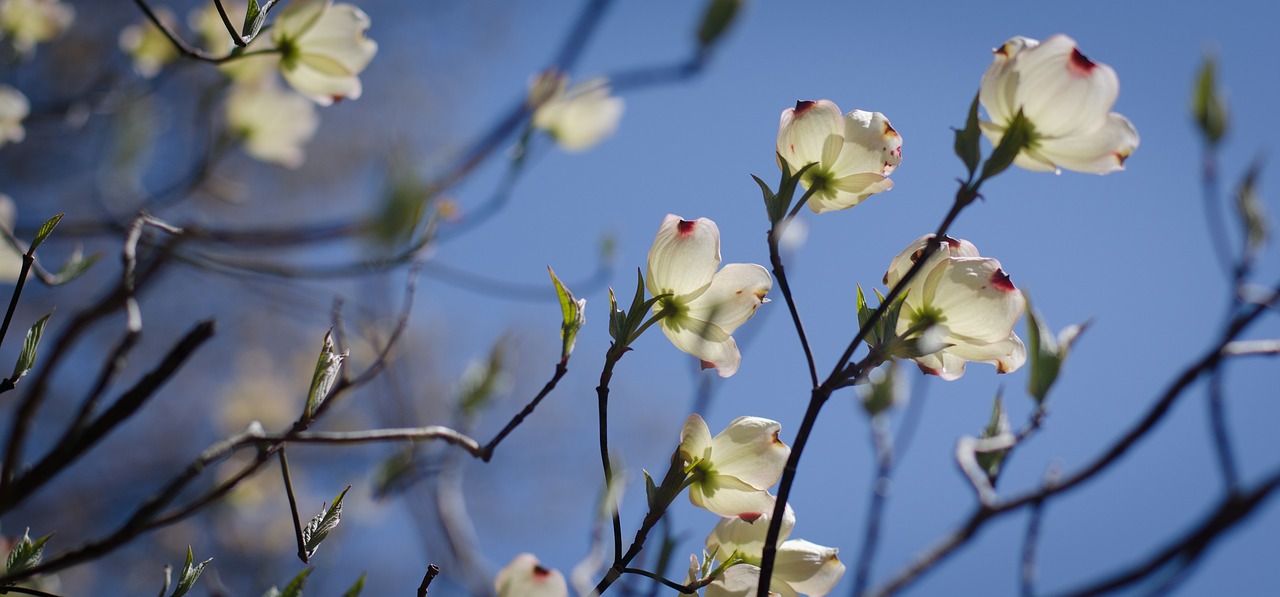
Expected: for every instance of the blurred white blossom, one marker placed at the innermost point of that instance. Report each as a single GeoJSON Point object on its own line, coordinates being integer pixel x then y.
{"type": "Point", "coordinates": [1067, 99]}
{"type": "Point", "coordinates": [525, 577]}
{"type": "Point", "coordinates": [14, 108]}
{"type": "Point", "coordinates": [705, 305]}
{"type": "Point", "coordinates": [853, 154]}
{"type": "Point", "coordinates": [29, 22]}
{"type": "Point", "coordinates": [147, 45]}
{"type": "Point", "coordinates": [273, 123]}
{"type": "Point", "coordinates": [578, 118]}
{"type": "Point", "coordinates": [10, 257]}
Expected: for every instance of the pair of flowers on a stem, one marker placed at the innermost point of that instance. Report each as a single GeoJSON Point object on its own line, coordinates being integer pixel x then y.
{"type": "Point", "coordinates": [729, 475]}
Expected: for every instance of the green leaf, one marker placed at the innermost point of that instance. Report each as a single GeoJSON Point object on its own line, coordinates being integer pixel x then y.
{"type": "Point", "coordinates": [1208, 103]}
{"type": "Point", "coordinates": [74, 266]}
{"type": "Point", "coordinates": [355, 589]}
{"type": "Point", "coordinates": [1252, 214]}
{"type": "Point", "coordinates": [325, 374]}
{"type": "Point", "coordinates": [44, 231]}
{"type": "Point", "coordinates": [190, 573]}
{"type": "Point", "coordinates": [294, 588]}
{"type": "Point", "coordinates": [616, 318]}
{"type": "Point", "coordinates": [773, 205]}
{"type": "Point", "coordinates": [967, 145]}
{"type": "Point", "coordinates": [573, 313]}
{"type": "Point", "coordinates": [395, 474]}
{"type": "Point", "coordinates": [650, 489]}
{"type": "Point", "coordinates": [481, 381]}
{"type": "Point", "coordinates": [27, 358]}
{"type": "Point", "coordinates": [26, 553]}
{"type": "Point", "coordinates": [322, 524]}
{"type": "Point", "coordinates": [255, 18]}
{"type": "Point", "coordinates": [1017, 136]}
{"type": "Point", "coordinates": [884, 391]}
{"type": "Point", "coordinates": [1046, 352]}
{"type": "Point", "coordinates": [997, 425]}
{"type": "Point", "coordinates": [716, 20]}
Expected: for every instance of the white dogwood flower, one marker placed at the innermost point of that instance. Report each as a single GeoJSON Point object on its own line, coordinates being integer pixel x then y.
{"type": "Point", "coordinates": [854, 154]}
{"type": "Point", "coordinates": [29, 22]}
{"type": "Point", "coordinates": [705, 305]}
{"type": "Point", "coordinates": [1067, 99]}
{"type": "Point", "coordinates": [800, 567]}
{"type": "Point", "coordinates": [732, 471]}
{"type": "Point", "coordinates": [147, 45]}
{"type": "Point", "coordinates": [14, 107]}
{"type": "Point", "coordinates": [525, 577]}
{"type": "Point", "coordinates": [323, 49]}
{"type": "Point", "coordinates": [579, 117]}
{"type": "Point", "coordinates": [273, 123]}
{"type": "Point", "coordinates": [967, 304]}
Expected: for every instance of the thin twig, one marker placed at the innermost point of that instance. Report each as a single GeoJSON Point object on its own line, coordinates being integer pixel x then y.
{"type": "Point", "coordinates": [1221, 436]}
{"type": "Point", "coordinates": [1027, 577]}
{"type": "Point", "coordinates": [779, 272]}
{"type": "Point", "coordinates": [432, 571]}
{"type": "Point", "coordinates": [293, 506]}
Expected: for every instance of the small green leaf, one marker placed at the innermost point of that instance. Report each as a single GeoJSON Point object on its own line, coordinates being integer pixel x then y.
{"type": "Point", "coordinates": [27, 358]}
{"type": "Point", "coordinates": [650, 489]}
{"type": "Point", "coordinates": [1252, 214]}
{"type": "Point", "coordinates": [190, 573]}
{"type": "Point", "coordinates": [1017, 136]}
{"type": "Point", "coordinates": [74, 266]}
{"type": "Point", "coordinates": [573, 313]}
{"type": "Point", "coordinates": [616, 317]}
{"type": "Point", "coordinates": [25, 554]}
{"type": "Point", "coordinates": [1208, 103]}
{"type": "Point", "coordinates": [322, 524]}
{"type": "Point", "coordinates": [255, 18]}
{"type": "Point", "coordinates": [325, 374]}
{"type": "Point", "coordinates": [967, 145]}
{"type": "Point", "coordinates": [395, 474]}
{"type": "Point", "coordinates": [44, 231]}
{"type": "Point", "coordinates": [885, 390]}
{"type": "Point", "coordinates": [355, 589]}
{"type": "Point", "coordinates": [294, 588]}
{"type": "Point", "coordinates": [773, 205]}
{"type": "Point", "coordinates": [481, 381]}
{"type": "Point", "coordinates": [716, 20]}
{"type": "Point", "coordinates": [1046, 353]}
{"type": "Point", "coordinates": [996, 426]}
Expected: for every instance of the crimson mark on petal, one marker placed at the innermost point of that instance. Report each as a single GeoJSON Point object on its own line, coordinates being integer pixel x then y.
{"type": "Point", "coordinates": [1001, 281]}
{"type": "Point", "coordinates": [750, 516]}
{"type": "Point", "coordinates": [1079, 64]}
{"type": "Point", "coordinates": [685, 227]}
{"type": "Point", "coordinates": [803, 106]}
{"type": "Point", "coordinates": [539, 571]}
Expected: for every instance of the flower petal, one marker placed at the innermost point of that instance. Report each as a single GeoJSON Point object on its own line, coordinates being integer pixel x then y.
{"type": "Point", "coordinates": [942, 364]}
{"type": "Point", "coordinates": [1061, 91]}
{"type": "Point", "coordinates": [739, 581]}
{"type": "Point", "coordinates": [1007, 355]}
{"type": "Point", "coordinates": [746, 537]}
{"type": "Point", "coordinates": [1000, 83]}
{"type": "Point", "coordinates": [581, 117]}
{"type": "Point", "coordinates": [870, 145]}
{"type": "Point", "coordinates": [807, 568]}
{"type": "Point", "coordinates": [704, 340]}
{"type": "Point", "coordinates": [804, 131]}
{"type": "Point", "coordinates": [683, 259]}
{"type": "Point", "coordinates": [846, 192]}
{"type": "Point", "coordinates": [733, 296]}
{"type": "Point", "coordinates": [956, 247]}
{"type": "Point", "coordinates": [525, 577]}
{"type": "Point", "coordinates": [976, 298]}
{"type": "Point", "coordinates": [729, 497]}
{"type": "Point", "coordinates": [695, 439]}
{"type": "Point", "coordinates": [749, 449]}
{"type": "Point", "coordinates": [1098, 152]}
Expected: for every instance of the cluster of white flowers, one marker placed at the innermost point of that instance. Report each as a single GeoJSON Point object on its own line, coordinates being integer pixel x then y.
{"type": "Point", "coordinates": [26, 23]}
